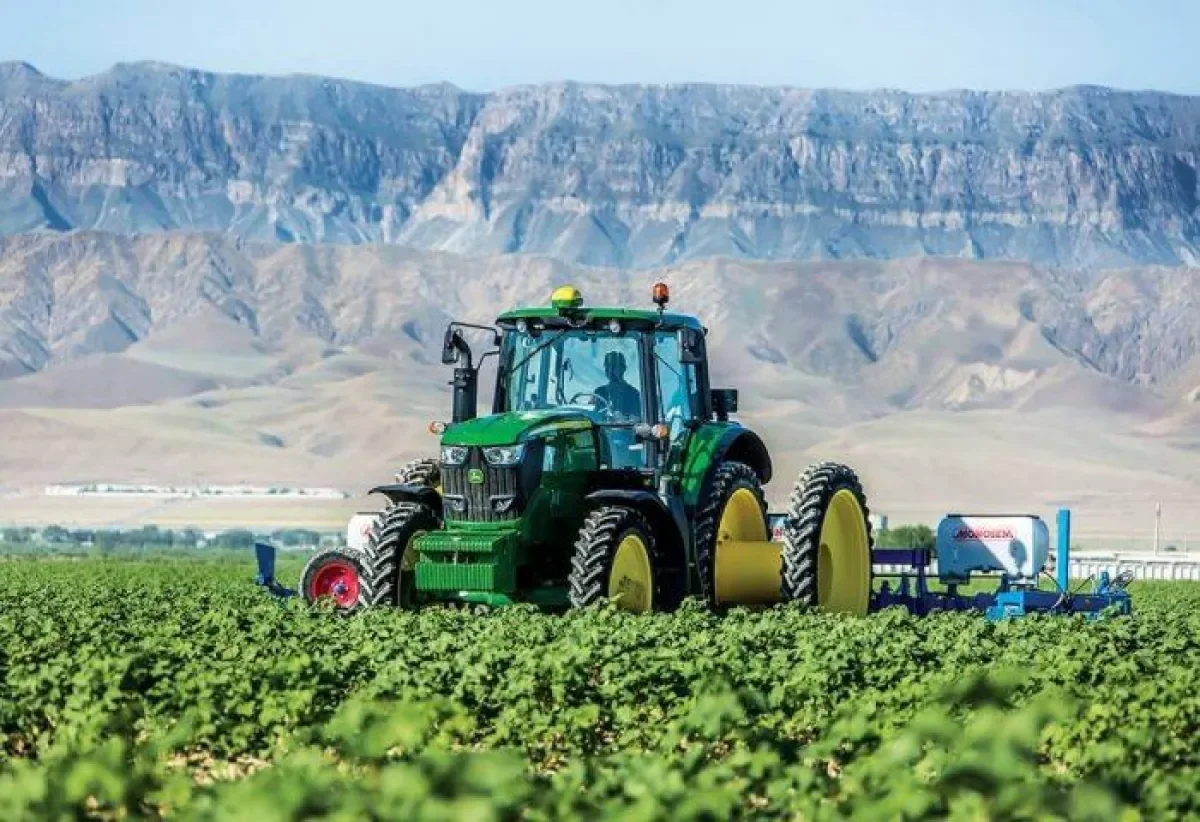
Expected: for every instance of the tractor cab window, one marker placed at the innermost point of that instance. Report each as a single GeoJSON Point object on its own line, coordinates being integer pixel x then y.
{"type": "Point", "coordinates": [597, 371]}
{"type": "Point", "coordinates": [592, 370]}
{"type": "Point", "coordinates": [677, 384]}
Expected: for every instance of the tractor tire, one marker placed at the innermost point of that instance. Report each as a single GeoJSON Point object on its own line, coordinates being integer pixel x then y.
{"type": "Point", "coordinates": [615, 556]}
{"type": "Point", "coordinates": [729, 478]}
{"type": "Point", "coordinates": [338, 575]}
{"type": "Point", "coordinates": [426, 473]}
{"type": "Point", "coordinates": [375, 576]}
{"type": "Point", "coordinates": [388, 557]}
{"type": "Point", "coordinates": [827, 541]}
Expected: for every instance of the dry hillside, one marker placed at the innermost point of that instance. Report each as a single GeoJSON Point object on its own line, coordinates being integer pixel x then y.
{"type": "Point", "coordinates": [949, 384]}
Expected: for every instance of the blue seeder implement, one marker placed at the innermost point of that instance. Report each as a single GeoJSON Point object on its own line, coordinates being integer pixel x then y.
{"type": "Point", "coordinates": [1017, 594]}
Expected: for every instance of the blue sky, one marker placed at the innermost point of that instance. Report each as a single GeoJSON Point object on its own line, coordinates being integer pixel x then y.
{"type": "Point", "coordinates": [484, 44]}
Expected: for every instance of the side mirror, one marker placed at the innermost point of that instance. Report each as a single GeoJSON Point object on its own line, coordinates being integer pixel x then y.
{"type": "Point", "coordinates": [691, 346]}
{"type": "Point", "coordinates": [449, 352]}
{"type": "Point", "coordinates": [724, 402]}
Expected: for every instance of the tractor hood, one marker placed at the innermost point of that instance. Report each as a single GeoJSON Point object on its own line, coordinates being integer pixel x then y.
{"type": "Point", "coordinates": [514, 426]}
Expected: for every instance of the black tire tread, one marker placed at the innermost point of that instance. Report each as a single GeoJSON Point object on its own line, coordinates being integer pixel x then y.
{"type": "Point", "coordinates": [385, 546]}
{"type": "Point", "coordinates": [802, 528]}
{"type": "Point", "coordinates": [424, 472]}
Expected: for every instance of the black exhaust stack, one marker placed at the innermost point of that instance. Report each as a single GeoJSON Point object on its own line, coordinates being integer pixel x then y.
{"type": "Point", "coordinates": [466, 388]}
{"type": "Point", "coordinates": [466, 378]}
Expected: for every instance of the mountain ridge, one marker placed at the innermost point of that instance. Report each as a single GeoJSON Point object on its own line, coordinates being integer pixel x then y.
{"type": "Point", "coordinates": [627, 176]}
{"type": "Point", "coordinates": [165, 66]}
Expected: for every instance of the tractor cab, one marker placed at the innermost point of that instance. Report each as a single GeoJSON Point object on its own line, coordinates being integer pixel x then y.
{"type": "Point", "coordinates": [640, 377]}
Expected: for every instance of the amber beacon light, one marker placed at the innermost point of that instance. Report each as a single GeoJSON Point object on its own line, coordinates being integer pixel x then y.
{"type": "Point", "coordinates": [661, 294]}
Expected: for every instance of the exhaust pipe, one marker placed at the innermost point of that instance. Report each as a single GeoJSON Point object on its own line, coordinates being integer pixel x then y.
{"type": "Point", "coordinates": [466, 390]}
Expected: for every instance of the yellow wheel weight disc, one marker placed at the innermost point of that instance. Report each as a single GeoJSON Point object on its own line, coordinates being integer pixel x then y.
{"type": "Point", "coordinates": [844, 557]}
{"type": "Point", "coordinates": [630, 580]}
{"type": "Point", "coordinates": [742, 519]}
{"type": "Point", "coordinates": [747, 565]}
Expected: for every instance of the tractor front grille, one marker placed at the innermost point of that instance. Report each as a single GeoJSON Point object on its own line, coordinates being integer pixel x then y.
{"type": "Point", "coordinates": [494, 499]}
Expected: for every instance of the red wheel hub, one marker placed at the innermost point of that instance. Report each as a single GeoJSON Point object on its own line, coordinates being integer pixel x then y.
{"type": "Point", "coordinates": [338, 580]}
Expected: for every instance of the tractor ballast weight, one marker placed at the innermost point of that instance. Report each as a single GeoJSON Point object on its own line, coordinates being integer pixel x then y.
{"type": "Point", "coordinates": [607, 468]}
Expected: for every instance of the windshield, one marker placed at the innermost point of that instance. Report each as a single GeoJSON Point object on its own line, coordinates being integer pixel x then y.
{"type": "Point", "coordinates": [584, 368]}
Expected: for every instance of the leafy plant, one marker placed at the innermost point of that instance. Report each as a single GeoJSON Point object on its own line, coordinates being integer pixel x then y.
{"type": "Point", "coordinates": [176, 689]}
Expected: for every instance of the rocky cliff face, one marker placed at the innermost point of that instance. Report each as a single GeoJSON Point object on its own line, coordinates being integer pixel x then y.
{"type": "Point", "coordinates": [624, 176]}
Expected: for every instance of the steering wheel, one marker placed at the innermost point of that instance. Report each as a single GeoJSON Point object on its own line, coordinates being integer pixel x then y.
{"type": "Point", "coordinates": [596, 397]}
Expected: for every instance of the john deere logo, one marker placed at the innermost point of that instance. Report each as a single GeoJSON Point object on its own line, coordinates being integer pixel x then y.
{"type": "Point", "coordinates": [475, 476]}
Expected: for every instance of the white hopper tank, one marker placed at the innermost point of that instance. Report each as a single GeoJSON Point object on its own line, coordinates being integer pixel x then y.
{"type": "Point", "coordinates": [1017, 545]}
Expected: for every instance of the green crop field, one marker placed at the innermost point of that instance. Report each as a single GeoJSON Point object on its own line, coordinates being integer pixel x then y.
{"type": "Point", "coordinates": [146, 689]}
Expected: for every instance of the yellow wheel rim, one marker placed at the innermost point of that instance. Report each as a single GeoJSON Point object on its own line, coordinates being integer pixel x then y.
{"type": "Point", "coordinates": [630, 581]}
{"type": "Point", "coordinates": [844, 557]}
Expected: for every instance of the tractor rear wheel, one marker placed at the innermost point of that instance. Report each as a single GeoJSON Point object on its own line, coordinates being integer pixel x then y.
{"type": "Point", "coordinates": [426, 473]}
{"type": "Point", "coordinates": [734, 511]}
{"type": "Point", "coordinates": [390, 555]}
{"type": "Point", "coordinates": [827, 541]}
{"type": "Point", "coordinates": [615, 557]}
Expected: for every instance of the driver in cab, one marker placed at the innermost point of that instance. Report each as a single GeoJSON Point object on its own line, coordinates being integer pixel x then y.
{"type": "Point", "coordinates": [621, 398]}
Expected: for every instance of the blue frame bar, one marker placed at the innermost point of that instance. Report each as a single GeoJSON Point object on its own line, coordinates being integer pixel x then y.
{"type": "Point", "coordinates": [1063, 560]}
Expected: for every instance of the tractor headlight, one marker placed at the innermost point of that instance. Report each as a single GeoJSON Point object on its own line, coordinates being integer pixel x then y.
{"type": "Point", "coordinates": [504, 454]}
{"type": "Point", "coordinates": [454, 454]}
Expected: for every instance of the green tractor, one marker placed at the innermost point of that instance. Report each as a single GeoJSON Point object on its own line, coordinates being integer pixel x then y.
{"type": "Point", "coordinates": [608, 468]}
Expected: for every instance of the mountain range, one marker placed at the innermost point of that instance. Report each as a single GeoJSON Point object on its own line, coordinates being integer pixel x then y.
{"type": "Point", "coordinates": [618, 176]}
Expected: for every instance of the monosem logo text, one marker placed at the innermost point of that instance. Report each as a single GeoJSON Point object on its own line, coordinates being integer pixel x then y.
{"type": "Point", "coordinates": [981, 534]}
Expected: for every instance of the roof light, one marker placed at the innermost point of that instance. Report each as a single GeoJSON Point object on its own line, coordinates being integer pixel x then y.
{"type": "Point", "coordinates": [614, 326]}
{"type": "Point", "coordinates": [661, 294]}
{"type": "Point", "coordinates": [437, 427]}
{"type": "Point", "coordinates": [566, 297]}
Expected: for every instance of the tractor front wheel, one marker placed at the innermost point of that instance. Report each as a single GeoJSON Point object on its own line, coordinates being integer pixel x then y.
{"type": "Point", "coordinates": [615, 557]}
{"type": "Point", "coordinates": [390, 555]}
{"type": "Point", "coordinates": [827, 541]}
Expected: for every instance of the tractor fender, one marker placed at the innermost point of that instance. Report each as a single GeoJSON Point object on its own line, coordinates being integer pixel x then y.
{"type": "Point", "coordinates": [668, 530]}
{"type": "Point", "coordinates": [402, 492]}
{"type": "Point", "coordinates": [743, 445]}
